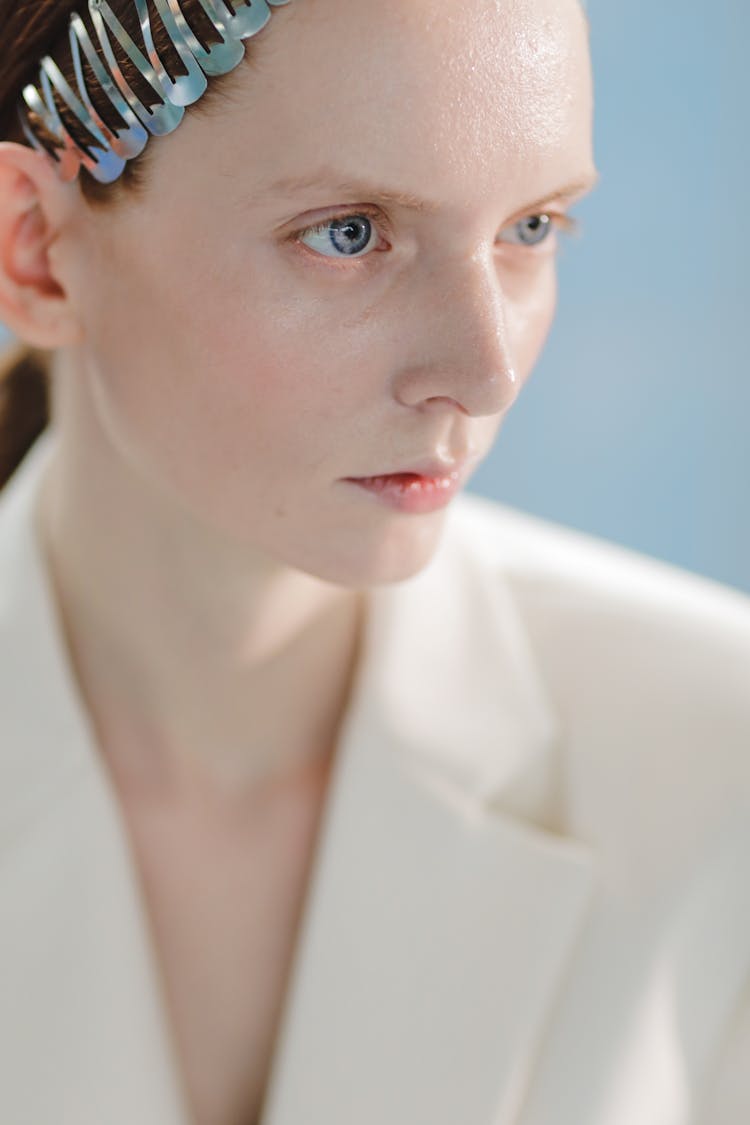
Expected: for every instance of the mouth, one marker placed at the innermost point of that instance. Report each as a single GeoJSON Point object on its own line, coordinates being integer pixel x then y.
{"type": "Point", "coordinates": [429, 469]}
{"type": "Point", "coordinates": [411, 492]}
{"type": "Point", "coordinates": [404, 480]}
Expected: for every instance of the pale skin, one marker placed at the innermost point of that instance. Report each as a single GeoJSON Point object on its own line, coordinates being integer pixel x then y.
{"type": "Point", "coordinates": [213, 391]}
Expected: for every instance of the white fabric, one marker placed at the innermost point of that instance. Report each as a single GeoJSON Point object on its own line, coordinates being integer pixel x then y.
{"type": "Point", "coordinates": [530, 903]}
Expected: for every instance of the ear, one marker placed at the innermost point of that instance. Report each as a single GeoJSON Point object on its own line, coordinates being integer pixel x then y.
{"type": "Point", "coordinates": [34, 208]}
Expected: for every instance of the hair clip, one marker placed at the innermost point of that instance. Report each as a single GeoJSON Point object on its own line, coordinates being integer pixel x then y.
{"type": "Point", "coordinates": [105, 158]}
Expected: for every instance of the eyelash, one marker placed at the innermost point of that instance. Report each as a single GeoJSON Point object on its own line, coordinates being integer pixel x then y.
{"type": "Point", "coordinates": [563, 223]}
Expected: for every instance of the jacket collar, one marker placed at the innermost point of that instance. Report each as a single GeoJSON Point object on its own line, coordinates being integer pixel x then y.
{"type": "Point", "coordinates": [442, 909]}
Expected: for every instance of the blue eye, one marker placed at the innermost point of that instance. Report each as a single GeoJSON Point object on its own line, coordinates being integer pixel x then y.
{"type": "Point", "coordinates": [532, 230]}
{"type": "Point", "coordinates": [348, 236]}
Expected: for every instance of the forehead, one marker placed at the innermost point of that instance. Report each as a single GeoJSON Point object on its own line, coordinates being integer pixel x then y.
{"type": "Point", "coordinates": [457, 96]}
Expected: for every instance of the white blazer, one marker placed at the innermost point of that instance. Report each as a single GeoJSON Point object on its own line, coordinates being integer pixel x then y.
{"type": "Point", "coordinates": [530, 903]}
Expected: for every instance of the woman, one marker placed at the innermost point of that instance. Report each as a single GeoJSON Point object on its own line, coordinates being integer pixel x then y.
{"type": "Point", "coordinates": [330, 794]}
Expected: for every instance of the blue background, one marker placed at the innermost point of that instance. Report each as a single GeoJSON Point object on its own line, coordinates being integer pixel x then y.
{"type": "Point", "coordinates": [634, 424]}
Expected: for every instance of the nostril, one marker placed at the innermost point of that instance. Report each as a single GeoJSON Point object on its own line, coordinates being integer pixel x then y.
{"type": "Point", "coordinates": [452, 401]}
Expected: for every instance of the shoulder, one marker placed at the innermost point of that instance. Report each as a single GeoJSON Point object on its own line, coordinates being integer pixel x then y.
{"type": "Point", "coordinates": [592, 607]}
{"type": "Point", "coordinates": [585, 589]}
{"type": "Point", "coordinates": [647, 665]}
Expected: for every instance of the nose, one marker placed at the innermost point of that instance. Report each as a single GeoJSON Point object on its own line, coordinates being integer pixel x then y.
{"type": "Point", "coordinates": [460, 328]}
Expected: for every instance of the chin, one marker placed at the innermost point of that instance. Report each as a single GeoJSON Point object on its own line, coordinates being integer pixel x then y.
{"type": "Point", "coordinates": [385, 556]}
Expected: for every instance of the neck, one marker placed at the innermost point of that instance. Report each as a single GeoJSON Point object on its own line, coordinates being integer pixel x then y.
{"type": "Point", "coordinates": [201, 669]}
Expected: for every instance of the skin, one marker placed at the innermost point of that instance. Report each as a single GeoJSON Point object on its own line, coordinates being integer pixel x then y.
{"type": "Point", "coordinates": [212, 391]}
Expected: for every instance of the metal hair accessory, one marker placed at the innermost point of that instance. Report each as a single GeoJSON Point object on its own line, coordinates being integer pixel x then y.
{"type": "Point", "coordinates": [109, 151]}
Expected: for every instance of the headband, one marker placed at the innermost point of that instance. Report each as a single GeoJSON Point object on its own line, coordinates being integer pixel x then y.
{"type": "Point", "coordinates": [110, 150]}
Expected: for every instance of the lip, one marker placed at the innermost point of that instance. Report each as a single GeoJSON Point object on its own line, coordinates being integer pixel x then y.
{"type": "Point", "coordinates": [432, 469]}
{"type": "Point", "coordinates": [411, 492]}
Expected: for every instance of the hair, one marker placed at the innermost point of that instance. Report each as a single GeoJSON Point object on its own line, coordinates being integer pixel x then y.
{"type": "Point", "coordinates": [29, 30]}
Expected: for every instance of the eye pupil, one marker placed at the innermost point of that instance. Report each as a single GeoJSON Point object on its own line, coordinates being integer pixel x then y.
{"type": "Point", "coordinates": [534, 229]}
{"type": "Point", "coordinates": [357, 229]}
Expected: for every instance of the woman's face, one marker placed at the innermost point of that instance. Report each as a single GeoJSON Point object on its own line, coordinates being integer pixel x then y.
{"type": "Point", "coordinates": [247, 364]}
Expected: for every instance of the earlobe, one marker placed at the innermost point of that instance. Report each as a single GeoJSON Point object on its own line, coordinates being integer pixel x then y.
{"type": "Point", "coordinates": [33, 302]}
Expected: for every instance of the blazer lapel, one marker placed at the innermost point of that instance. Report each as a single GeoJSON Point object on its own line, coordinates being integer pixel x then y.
{"type": "Point", "coordinates": [443, 909]}
{"type": "Point", "coordinates": [82, 1036]}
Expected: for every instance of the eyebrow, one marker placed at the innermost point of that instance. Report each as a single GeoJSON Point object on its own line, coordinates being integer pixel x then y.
{"type": "Point", "coordinates": [330, 180]}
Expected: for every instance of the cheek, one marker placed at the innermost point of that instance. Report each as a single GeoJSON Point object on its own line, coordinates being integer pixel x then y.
{"type": "Point", "coordinates": [530, 319]}
{"type": "Point", "coordinates": [221, 393]}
